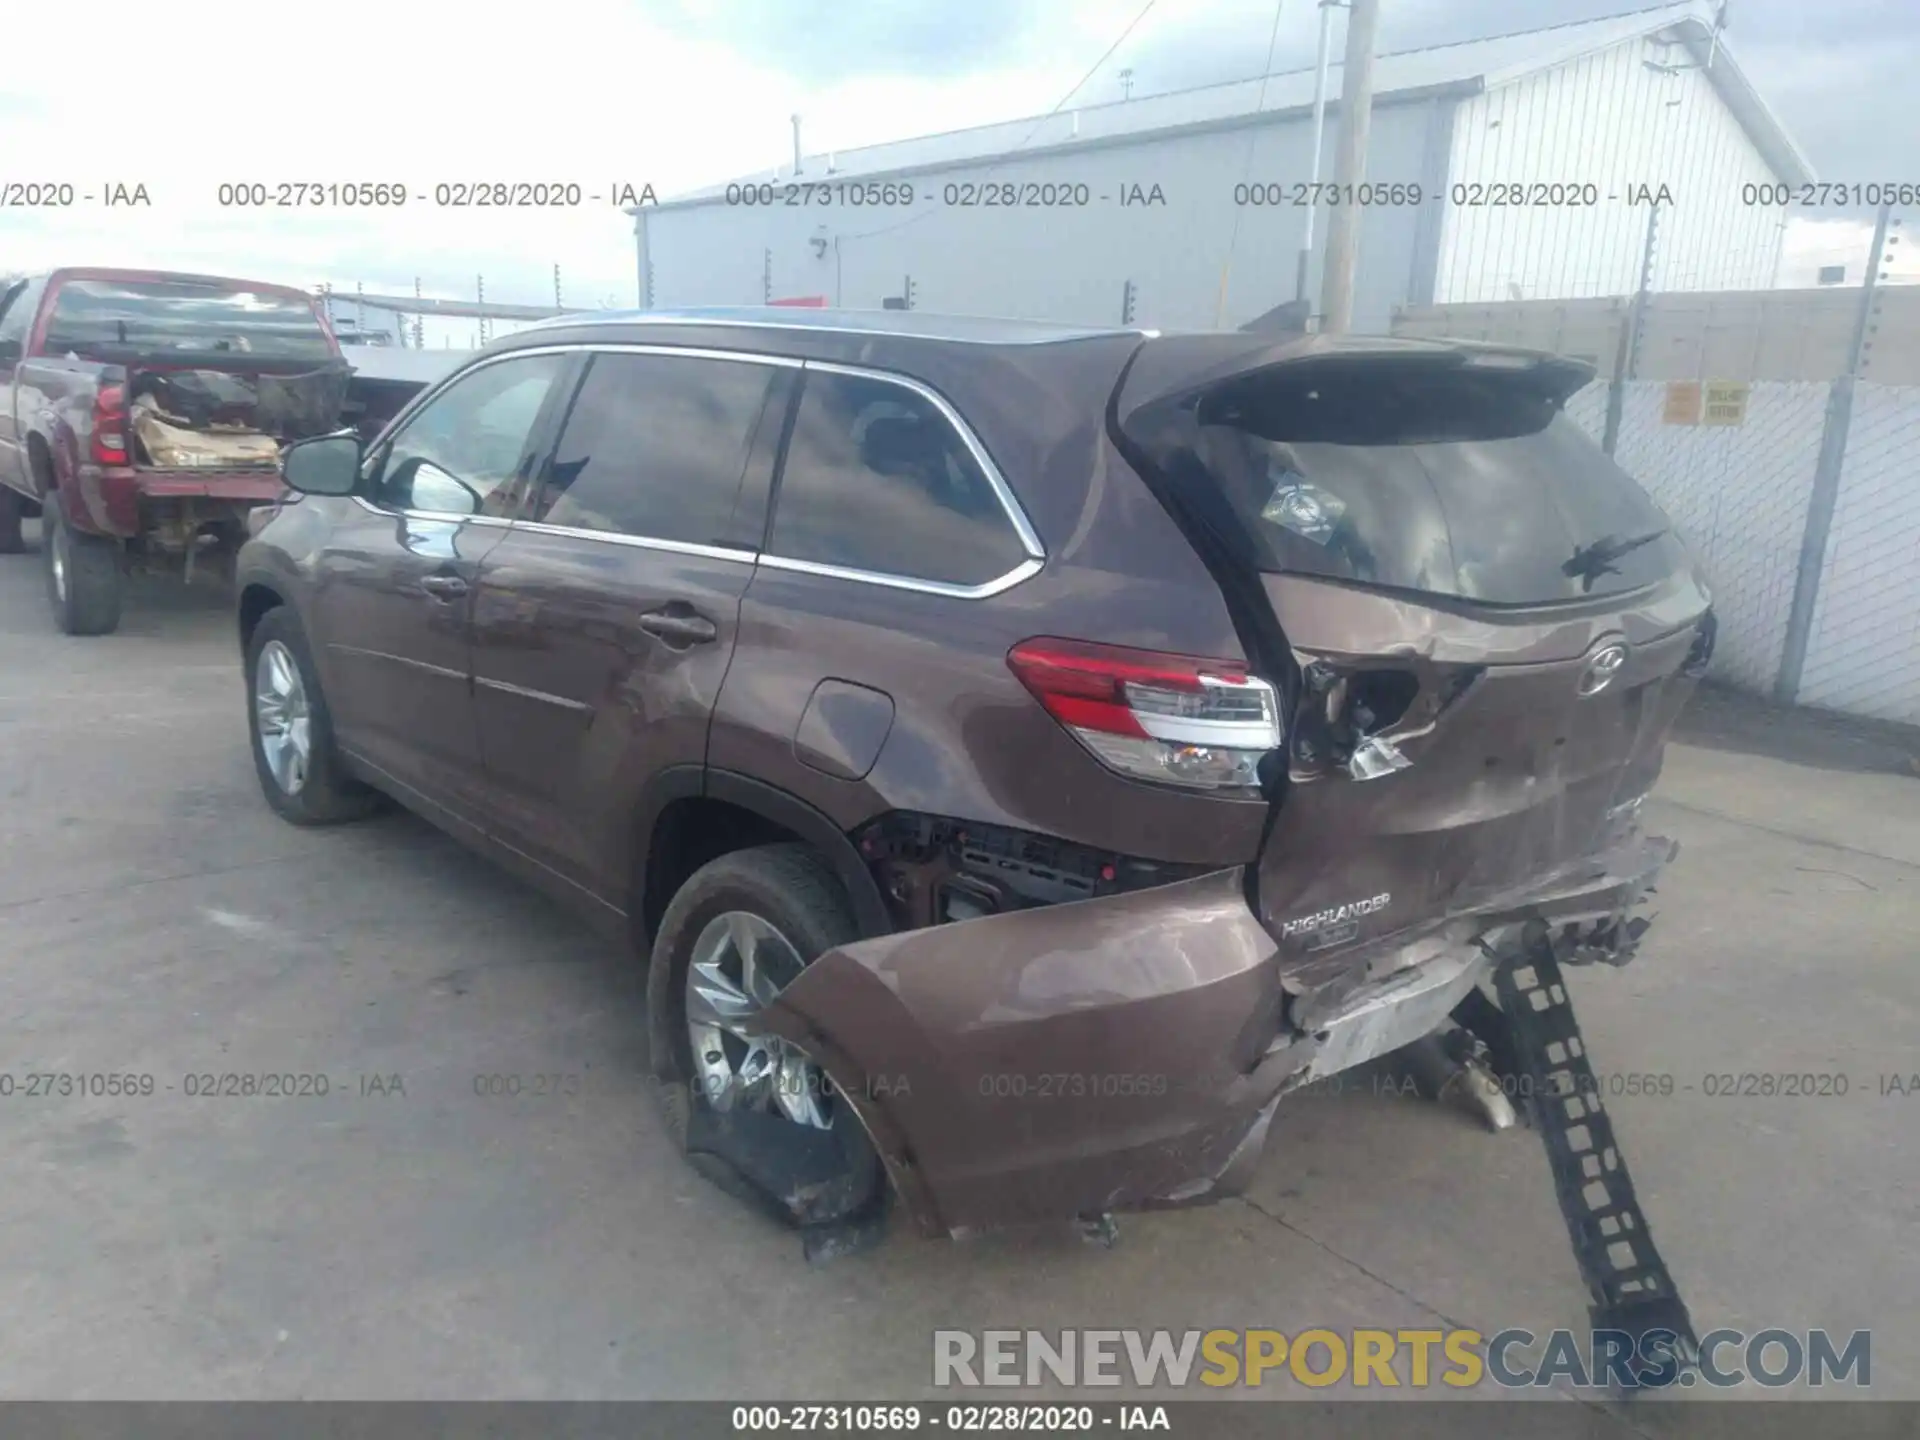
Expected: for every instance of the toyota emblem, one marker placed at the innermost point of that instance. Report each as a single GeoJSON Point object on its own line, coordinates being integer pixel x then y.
{"type": "Point", "coordinates": [1602, 666]}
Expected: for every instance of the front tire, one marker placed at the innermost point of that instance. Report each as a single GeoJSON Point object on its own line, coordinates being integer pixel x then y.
{"type": "Point", "coordinates": [86, 581]}
{"type": "Point", "coordinates": [291, 730]}
{"type": "Point", "coordinates": [751, 1112]}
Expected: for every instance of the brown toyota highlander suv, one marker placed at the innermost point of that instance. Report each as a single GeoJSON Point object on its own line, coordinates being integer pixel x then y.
{"type": "Point", "coordinates": [1024, 753]}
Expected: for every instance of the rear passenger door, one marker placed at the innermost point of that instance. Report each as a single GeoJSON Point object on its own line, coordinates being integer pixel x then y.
{"type": "Point", "coordinates": [605, 619]}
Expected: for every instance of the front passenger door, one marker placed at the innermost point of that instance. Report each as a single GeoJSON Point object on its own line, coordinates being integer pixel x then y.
{"type": "Point", "coordinates": [392, 608]}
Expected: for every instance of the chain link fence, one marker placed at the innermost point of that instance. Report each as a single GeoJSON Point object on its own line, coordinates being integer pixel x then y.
{"type": "Point", "coordinates": [1799, 492]}
{"type": "Point", "coordinates": [1738, 495]}
{"type": "Point", "coordinates": [1742, 494]}
{"type": "Point", "coordinates": [1863, 654]}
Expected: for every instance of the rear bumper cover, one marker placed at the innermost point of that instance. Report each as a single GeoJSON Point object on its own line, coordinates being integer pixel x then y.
{"type": "Point", "coordinates": [1128, 1052]}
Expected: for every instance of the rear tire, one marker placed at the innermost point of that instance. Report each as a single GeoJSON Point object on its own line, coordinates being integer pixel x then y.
{"type": "Point", "coordinates": [812, 1168]}
{"type": "Point", "coordinates": [86, 580]}
{"type": "Point", "coordinates": [12, 511]}
{"type": "Point", "coordinates": [290, 730]}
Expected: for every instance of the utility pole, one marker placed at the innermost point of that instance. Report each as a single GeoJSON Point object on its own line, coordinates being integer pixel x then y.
{"type": "Point", "coordinates": [1349, 169]}
{"type": "Point", "coordinates": [1327, 7]}
{"type": "Point", "coordinates": [1826, 476]}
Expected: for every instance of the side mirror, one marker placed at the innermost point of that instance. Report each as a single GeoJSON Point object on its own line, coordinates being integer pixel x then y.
{"type": "Point", "coordinates": [322, 465]}
{"type": "Point", "coordinates": [431, 488]}
{"type": "Point", "coordinates": [10, 351]}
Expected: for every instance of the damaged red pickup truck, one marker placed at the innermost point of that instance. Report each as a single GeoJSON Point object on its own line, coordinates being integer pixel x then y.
{"type": "Point", "coordinates": [142, 415]}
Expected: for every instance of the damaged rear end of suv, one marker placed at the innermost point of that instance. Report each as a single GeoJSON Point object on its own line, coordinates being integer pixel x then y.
{"type": "Point", "coordinates": [1413, 756]}
{"type": "Point", "coordinates": [1025, 755]}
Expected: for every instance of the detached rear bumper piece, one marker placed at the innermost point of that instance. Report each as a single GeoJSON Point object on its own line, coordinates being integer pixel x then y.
{"type": "Point", "coordinates": [114, 500]}
{"type": "Point", "coordinates": [1127, 1052]}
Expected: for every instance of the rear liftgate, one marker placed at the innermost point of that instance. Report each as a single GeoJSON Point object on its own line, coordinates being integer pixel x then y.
{"type": "Point", "coordinates": [1433, 510]}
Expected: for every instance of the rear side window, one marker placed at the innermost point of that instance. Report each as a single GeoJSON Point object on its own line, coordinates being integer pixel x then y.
{"type": "Point", "coordinates": [656, 446]}
{"type": "Point", "coordinates": [878, 480]}
{"type": "Point", "coordinates": [162, 317]}
{"type": "Point", "coordinates": [1429, 478]}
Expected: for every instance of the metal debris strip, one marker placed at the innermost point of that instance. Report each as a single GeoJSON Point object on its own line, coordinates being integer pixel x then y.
{"type": "Point", "coordinates": [1535, 1038]}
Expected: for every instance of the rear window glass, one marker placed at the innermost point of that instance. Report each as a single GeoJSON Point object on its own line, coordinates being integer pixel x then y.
{"type": "Point", "coordinates": [1430, 479]}
{"type": "Point", "coordinates": [160, 317]}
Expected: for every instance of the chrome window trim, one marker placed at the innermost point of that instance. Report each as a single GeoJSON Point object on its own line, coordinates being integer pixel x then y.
{"type": "Point", "coordinates": [491, 522]}
{"type": "Point", "coordinates": [664, 317]}
{"type": "Point", "coordinates": [640, 542]}
{"type": "Point", "coordinates": [1009, 502]}
{"type": "Point", "coordinates": [1009, 505]}
{"type": "Point", "coordinates": [1024, 571]}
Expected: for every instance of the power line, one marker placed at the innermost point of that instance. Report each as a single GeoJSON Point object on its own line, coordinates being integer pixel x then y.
{"type": "Point", "coordinates": [1132, 25]}
{"type": "Point", "coordinates": [1246, 164]}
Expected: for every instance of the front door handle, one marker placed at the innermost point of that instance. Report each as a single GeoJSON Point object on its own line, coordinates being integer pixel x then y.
{"type": "Point", "coordinates": [443, 587]}
{"type": "Point", "coordinates": [679, 625]}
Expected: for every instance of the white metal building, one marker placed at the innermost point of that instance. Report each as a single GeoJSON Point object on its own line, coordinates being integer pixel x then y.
{"type": "Point", "coordinates": [1179, 210]}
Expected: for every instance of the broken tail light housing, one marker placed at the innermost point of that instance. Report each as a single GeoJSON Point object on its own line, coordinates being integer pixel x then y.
{"type": "Point", "coordinates": [1172, 719]}
{"type": "Point", "coordinates": [109, 444]}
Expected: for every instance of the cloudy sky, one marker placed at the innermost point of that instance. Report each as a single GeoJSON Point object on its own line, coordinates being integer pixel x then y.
{"type": "Point", "coordinates": [682, 93]}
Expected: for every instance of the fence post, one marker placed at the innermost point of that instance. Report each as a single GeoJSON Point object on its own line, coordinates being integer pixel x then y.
{"type": "Point", "coordinates": [1826, 484]}
{"type": "Point", "coordinates": [1627, 355]}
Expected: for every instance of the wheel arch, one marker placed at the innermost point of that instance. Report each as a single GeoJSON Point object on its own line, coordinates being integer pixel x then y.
{"type": "Point", "coordinates": [758, 813]}
{"type": "Point", "coordinates": [257, 595]}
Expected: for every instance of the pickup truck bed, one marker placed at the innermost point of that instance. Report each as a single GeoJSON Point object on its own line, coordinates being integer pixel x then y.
{"type": "Point", "coordinates": [93, 360]}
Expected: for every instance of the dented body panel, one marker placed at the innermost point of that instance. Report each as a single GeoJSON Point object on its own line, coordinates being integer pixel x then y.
{"type": "Point", "coordinates": [1083, 1057]}
{"type": "Point", "coordinates": [1128, 1052]}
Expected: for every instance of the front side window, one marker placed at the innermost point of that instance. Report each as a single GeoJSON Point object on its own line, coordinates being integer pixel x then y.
{"type": "Point", "coordinates": [458, 453]}
{"type": "Point", "coordinates": [655, 446]}
{"type": "Point", "coordinates": [878, 480]}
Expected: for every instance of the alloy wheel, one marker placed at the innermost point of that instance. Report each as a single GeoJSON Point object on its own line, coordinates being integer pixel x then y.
{"type": "Point", "coordinates": [740, 963]}
{"type": "Point", "coordinates": [283, 717]}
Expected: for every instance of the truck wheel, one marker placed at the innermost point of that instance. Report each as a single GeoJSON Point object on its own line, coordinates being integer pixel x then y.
{"type": "Point", "coordinates": [292, 732]}
{"type": "Point", "coordinates": [752, 1112]}
{"type": "Point", "coordinates": [11, 511]}
{"type": "Point", "coordinates": [85, 579]}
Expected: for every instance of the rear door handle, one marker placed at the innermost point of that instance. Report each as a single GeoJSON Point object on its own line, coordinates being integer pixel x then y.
{"type": "Point", "coordinates": [443, 587]}
{"type": "Point", "coordinates": [679, 625]}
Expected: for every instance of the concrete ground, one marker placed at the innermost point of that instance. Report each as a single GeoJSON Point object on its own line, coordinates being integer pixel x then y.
{"type": "Point", "coordinates": [156, 918]}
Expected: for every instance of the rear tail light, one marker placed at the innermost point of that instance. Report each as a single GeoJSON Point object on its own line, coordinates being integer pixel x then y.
{"type": "Point", "coordinates": [109, 445]}
{"type": "Point", "coordinates": [1175, 719]}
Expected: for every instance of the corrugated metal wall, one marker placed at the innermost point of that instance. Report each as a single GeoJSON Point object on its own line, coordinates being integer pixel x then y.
{"type": "Point", "coordinates": [1608, 119]}
{"type": "Point", "coordinates": [1604, 118]}
{"type": "Point", "coordinates": [1066, 264]}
